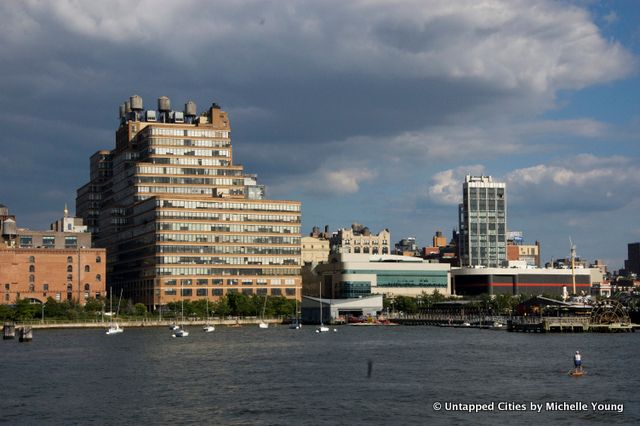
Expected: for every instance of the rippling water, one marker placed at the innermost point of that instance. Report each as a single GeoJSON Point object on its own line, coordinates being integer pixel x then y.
{"type": "Point", "coordinates": [277, 376]}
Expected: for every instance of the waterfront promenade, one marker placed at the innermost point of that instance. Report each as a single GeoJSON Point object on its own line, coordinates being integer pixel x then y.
{"type": "Point", "coordinates": [131, 323]}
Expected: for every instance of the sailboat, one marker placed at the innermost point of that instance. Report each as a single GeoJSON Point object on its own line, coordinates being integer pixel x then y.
{"type": "Point", "coordinates": [208, 328]}
{"type": "Point", "coordinates": [296, 324]}
{"type": "Point", "coordinates": [323, 328]}
{"type": "Point", "coordinates": [264, 307]}
{"type": "Point", "coordinates": [180, 331]}
{"type": "Point", "coordinates": [114, 328]}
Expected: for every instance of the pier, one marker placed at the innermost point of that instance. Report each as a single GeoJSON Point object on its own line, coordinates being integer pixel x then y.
{"type": "Point", "coordinates": [566, 325]}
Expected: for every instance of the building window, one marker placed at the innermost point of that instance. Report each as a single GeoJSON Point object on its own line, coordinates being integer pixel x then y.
{"type": "Point", "coordinates": [203, 281]}
{"type": "Point", "coordinates": [69, 259]}
{"type": "Point", "coordinates": [32, 278]}
{"type": "Point", "coordinates": [261, 292]}
{"type": "Point", "coordinates": [26, 241]}
{"type": "Point", "coordinates": [186, 282]}
{"type": "Point", "coordinates": [247, 291]}
{"type": "Point", "coordinates": [32, 259]}
{"type": "Point", "coordinates": [70, 242]}
{"type": "Point", "coordinates": [69, 268]}
{"type": "Point", "coordinates": [58, 297]}
{"type": "Point", "coordinates": [201, 292]}
{"type": "Point", "coordinates": [217, 292]}
{"type": "Point", "coordinates": [170, 292]}
{"type": "Point", "coordinates": [276, 292]}
{"type": "Point", "coordinates": [98, 278]}
{"type": "Point", "coordinates": [87, 268]}
{"type": "Point", "coordinates": [7, 286]}
{"type": "Point", "coordinates": [290, 291]}
{"type": "Point", "coordinates": [69, 277]}
{"type": "Point", "coordinates": [186, 292]}
{"type": "Point", "coordinates": [87, 287]}
{"type": "Point", "coordinates": [69, 287]}
{"type": "Point", "coordinates": [45, 287]}
{"type": "Point", "coordinates": [32, 288]}
{"type": "Point", "coordinates": [48, 242]}
{"type": "Point", "coordinates": [98, 259]}
{"type": "Point", "coordinates": [32, 268]}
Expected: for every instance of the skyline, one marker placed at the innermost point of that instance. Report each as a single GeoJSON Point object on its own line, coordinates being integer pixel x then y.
{"type": "Point", "coordinates": [367, 112]}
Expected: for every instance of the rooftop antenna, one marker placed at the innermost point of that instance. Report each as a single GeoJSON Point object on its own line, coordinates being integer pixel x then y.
{"type": "Point", "coordinates": [572, 247]}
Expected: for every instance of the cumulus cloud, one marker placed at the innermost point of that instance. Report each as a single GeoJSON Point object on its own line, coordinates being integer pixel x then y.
{"type": "Point", "coordinates": [582, 182]}
{"type": "Point", "coordinates": [446, 186]}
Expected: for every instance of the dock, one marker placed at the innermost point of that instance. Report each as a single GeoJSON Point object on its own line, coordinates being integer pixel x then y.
{"type": "Point", "coordinates": [566, 325]}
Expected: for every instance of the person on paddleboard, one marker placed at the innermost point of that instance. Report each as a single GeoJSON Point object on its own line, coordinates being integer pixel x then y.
{"type": "Point", "coordinates": [577, 361]}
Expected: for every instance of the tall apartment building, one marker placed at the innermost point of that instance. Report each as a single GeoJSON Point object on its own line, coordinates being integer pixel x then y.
{"type": "Point", "coordinates": [179, 218]}
{"type": "Point", "coordinates": [483, 222]}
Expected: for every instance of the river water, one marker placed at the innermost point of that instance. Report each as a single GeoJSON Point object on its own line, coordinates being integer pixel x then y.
{"type": "Point", "coordinates": [356, 375]}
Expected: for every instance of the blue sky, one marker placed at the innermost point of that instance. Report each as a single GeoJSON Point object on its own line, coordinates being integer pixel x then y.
{"type": "Point", "coordinates": [367, 111]}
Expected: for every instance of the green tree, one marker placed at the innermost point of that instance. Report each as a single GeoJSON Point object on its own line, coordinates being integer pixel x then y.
{"type": "Point", "coordinates": [93, 306]}
{"type": "Point", "coordinates": [24, 310]}
{"type": "Point", "coordinates": [6, 312]}
{"type": "Point", "coordinates": [221, 307]}
{"type": "Point", "coordinates": [140, 309]}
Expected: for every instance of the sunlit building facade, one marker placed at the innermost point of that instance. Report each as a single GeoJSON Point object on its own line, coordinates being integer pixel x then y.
{"type": "Point", "coordinates": [179, 218]}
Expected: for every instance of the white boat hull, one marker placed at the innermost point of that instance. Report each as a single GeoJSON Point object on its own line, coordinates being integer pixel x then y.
{"type": "Point", "coordinates": [208, 328]}
{"type": "Point", "coordinates": [114, 329]}
{"type": "Point", "coordinates": [180, 333]}
{"type": "Point", "coordinates": [263, 325]}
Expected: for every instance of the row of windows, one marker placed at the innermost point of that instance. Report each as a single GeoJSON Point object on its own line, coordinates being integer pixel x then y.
{"type": "Point", "coordinates": [223, 227]}
{"type": "Point", "coordinates": [45, 287]}
{"type": "Point", "coordinates": [190, 161]}
{"type": "Point", "coordinates": [192, 152]}
{"type": "Point", "coordinates": [208, 260]}
{"type": "Point", "coordinates": [189, 181]}
{"type": "Point", "coordinates": [230, 281]}
{"type": "Point", "coordinates": [196, 133]}
{"type": "Point", "coordinates": [247, 217]}
{"type": "Point", "coordinates": [182, 190]}
{"type": "Point", "coordinates": [228, 271]}
{"type": "Point", "coordinates": [205, 143]}
{"type": "Point", "coordinates": [240, 239]}
{"type": "Point", "coordinates": [187, 292]}
{"type": "Point", "coordinates": [187, 171]}
{"type": "Point", "coordinates": [228, 250]}
{"type": "Point", "coordinates": [227, 205]}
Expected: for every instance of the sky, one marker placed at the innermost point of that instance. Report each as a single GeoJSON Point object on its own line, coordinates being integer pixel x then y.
{"type": "Point", "coordinates": [365, 111]}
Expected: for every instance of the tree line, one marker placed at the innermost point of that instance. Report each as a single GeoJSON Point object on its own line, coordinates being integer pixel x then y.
{"type": "Point", "coordinates": [234, 304]}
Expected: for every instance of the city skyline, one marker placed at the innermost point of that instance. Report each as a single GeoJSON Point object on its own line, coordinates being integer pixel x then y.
{"type": "Point", "coordinates": [367, 112]}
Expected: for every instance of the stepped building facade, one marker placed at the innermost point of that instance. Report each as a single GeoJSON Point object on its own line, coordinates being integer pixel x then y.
{"type": "Point", "coordinates": [179, 219]}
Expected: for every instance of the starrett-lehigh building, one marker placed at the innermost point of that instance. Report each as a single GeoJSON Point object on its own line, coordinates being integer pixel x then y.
{"type": "Point", "coordinates": [179, 219]}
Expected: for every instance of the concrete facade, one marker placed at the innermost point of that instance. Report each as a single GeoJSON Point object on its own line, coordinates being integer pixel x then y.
{"type": "Point", "coordinates": [179, 219]}
{"type": "Point", "coordinates": [483, 222]}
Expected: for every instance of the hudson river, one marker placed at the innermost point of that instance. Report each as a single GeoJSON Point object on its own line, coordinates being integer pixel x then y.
{"type": "Point", "coordinates": [246, 376]}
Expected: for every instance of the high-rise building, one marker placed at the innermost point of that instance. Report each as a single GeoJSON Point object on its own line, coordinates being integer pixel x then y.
{"type": "Point", "coordinates": [632, 263]}
{"type": "Point", "coordinates": [179, 219]}
{"type": "Point", "coordinates": [483, 222]}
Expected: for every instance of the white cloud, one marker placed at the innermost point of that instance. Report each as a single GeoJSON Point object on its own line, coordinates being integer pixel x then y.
{"type": "Point", "coordinates": [583, 182]}
{"type": "Point", "coordinates": [446, 186]}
